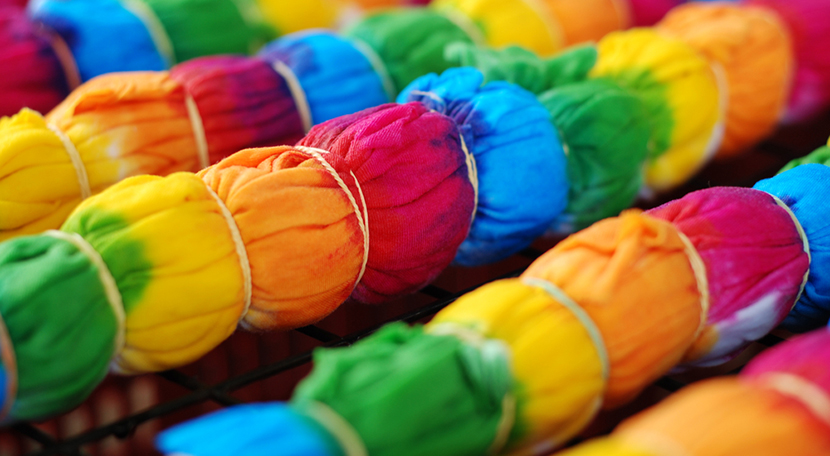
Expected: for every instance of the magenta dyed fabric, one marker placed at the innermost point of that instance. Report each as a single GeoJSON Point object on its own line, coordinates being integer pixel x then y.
{"type": "Point", "coordinates": [806, 356]}
{"type": "Point", "coordinates": [645, 13]}
{"type": "Point", "coordinates": [755, 262]}
{"type": "Point", "coordinates": [242, 101]}
{"type": "Point", "coordinates": [810, 28]}
{"type": "Point", "coordinates": [32, 75]}
{"type": "Point", "coordinates": [413, 175]}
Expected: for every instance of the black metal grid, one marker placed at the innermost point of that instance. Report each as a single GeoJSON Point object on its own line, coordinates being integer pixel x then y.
{"type": "Point", "coordinates": [761, 163]}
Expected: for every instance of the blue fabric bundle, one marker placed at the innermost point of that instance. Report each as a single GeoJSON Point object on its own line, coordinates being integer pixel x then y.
{"type": "Point", "coordinates": [522, 182]}
{"type": "Point", "coordinates": [264, 426]}
{"type": "Point", "coordinates": [103, 35]}
{"type": "Point", "coordinates": [805, 190]}
{"type": "Point", "coordinates": [336, 77]}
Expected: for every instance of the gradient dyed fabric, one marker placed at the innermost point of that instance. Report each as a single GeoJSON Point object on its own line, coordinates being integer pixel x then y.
{"type": "Point", "coordinates": [773, 408]}
{"type": "Point", "coordinates": [811, 37]}
{"type": "Point", "coordinates": [524, 68]}
{"type": "Point", "coordinates": [107, 36]}
{"type": "Point", "coordinates": [754, 275]}
{"type": "Point", "coordinates": [335, 75]}
{"type": "Point", "coordinates": [605, 130]}
{"type": "Point", "coordinates": [753, 47]}
{"type": "Point", "coordinates": [103, 35]}
{"type": "Point", "coordinates": [137, 123]}
{"type": "Point", "coordinates": [680, 92]}
{"type": "Point", "coordinates": [414, 177]}
{"type": "Point", "coordinates": [410, 42]}
{"type": "Point", "coordinates": [804, 189]}
{"type": "Point", "coordinates": [626, 269]}
{"type": "Point", "coordinates": [59, 360]}
{"type": "Point", "coordinates": [519, 162]}
{"type": "Point", "coordinates": [34, 76]}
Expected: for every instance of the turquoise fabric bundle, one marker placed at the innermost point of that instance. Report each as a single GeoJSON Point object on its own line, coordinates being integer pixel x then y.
{"type": "Point", "coordinates": [336, 76]}
{"type": "Point", "coordinates": [798, 189]}
{"type": "Point", "coordinates": [263, 423]}
{"type": "Point", "coordinates": [103, 35]}
{"type": "Point", "coordinates": [522, 185]}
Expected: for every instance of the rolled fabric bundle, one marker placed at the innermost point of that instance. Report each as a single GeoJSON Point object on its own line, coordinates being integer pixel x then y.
{"type": "Point", "coordinates": [126, 124]}
{"type": "Point", "coordinates": [811, 87]}
{"type": "Point", "coordinates": [606, 131]}
{"type": "Point", "coordinates": [777, 407]}
{"type": "Point", "coordinates": [108, 36]}
{"type": "Point", "coordinates": [755, 276]}
{"type": "Point", "coordinates": [627, 297]}
{"type": "Point", "coordinates": [335, 76]}
{"type": "Point", "coordinates": [804, 189]}
{"type": "Point", "coordinates": [682, 96]}
{"type": "Point", "coordinates": [602, 268]}
{"type": "Point", "coordinates": [289, 16]}
{"type": "Point", "coordinates": [39, 79]}
{"type": "Point", "coordinates": [520, 163]}
{"type": "Point", "coordinates": [410, 42]}
{"type": "Point", "coordinates": [753, 47]}
{"type": "Point", "coordinates": [418, 190]}
{"type": "Point", "coordinates": [524, 68]}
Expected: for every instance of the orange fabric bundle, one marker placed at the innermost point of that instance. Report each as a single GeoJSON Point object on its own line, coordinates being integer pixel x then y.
{"type": "Point", "coordinates": [623, 271]}
{"type": "Point", "coordinates": [589, 20]}
{"type": "Point", "coordinates": [753, 47]}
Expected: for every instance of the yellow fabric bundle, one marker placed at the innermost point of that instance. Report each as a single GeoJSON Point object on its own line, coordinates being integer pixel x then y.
{"type": "Point", "coordinates": [754, 48]}
{"type": "Point", "coordinates": [553, 356]}
{"type": "Point", "coordinates": [681, 93]}
{"type": "Point", "coordinates": [623, 271]}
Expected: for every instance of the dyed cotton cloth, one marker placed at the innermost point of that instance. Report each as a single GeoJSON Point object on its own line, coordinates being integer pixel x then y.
{"type": "Point", "coordinates": [519, 162]}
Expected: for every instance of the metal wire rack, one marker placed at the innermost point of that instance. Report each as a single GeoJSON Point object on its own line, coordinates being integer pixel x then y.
{"type": "Point", "coordinates": [196, 389]}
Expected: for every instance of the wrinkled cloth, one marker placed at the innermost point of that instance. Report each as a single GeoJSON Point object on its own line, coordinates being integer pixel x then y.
{"type": "Point", "coordinates": [521, 182]}
{"type": "Point", "coordinates": [754, 49]}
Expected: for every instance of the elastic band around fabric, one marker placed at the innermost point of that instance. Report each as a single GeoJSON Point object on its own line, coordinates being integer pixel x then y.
{"type": "Point", "coordinates": [198, 128]}
{"type": "Point", "coordinates": [66, 59]}
{"type": "Point", "coordinates": [362, 217]}
{"type": "Point", "coordinates": [154, 26]}
{"type": "Point", "coordinates": [297, 93]}
{"type": "Point", "coordinates": [804, 240]}
{"type": "Point", "coordinates": [10, 365]}
{"type": "Point", "coordinates": [475, 339]}
{"type": "Point", "coordinates": [241, 251]}
{"type": "Point", "coordinates": [804, 391]}
{"type": "Point", "coordinates": [467, 26]}
{"type": "Point", "coordinates": [105, 276]}
{"type": "Point", "coordinates": [590, 327]}
{"type": "Point", "coordinates": [75, 158]}
{"type": "Point", "coordinates": [349, 440]}
{"type": "Point", "coordinates": [702, 280]}
{"type": "Point", "coordinates": [377, 64]}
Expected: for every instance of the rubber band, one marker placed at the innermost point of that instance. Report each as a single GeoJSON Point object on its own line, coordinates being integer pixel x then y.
{"type": "Point", "coordinates": [477, 340]}
{"type": "Point", "coordinates": [590, 327]}
{"type": "Point", "coordinates": [297, 93]}
{"type": "Point", "coordinates": [241, 251]}
{"type": "Point", "coordinates": [105, 276]}
{"type": "Point", "coordinates": [804, 391]}
{"type": "Point", "coordinates": [362, 217]}
{"type": "Point", "coordinates": [75, 158]}
{"type": "Point", "coordinates": [805, 242]}
{"type": "Point", "coordinates": [154, 27]}
{"type": "Point", "coordinates": [10, 365]}
{"type": "Point", "coordinates": [66, 59]}
{"type": "Point", "coordinates": [349, 440]}
{"type": "Point", "coordinates": [198, 128]}
{"type": "Point", "coordinates": [377, 64]}
{"type": "Point", "coordinates": [557, 35]}
{"type": "Point", "coordinates": [699, 269]}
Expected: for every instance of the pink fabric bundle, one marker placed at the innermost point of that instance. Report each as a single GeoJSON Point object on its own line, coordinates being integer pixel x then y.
{"type": "Point", "coordinates": [419, 198]}
{"type": "Point", "coordinates": [645, 13]}
{"type": "Point", "coordinates": [32, 74]}
{"type": "Point", "coordinates": [811, 37]}
{"type": "Point", "coordinates": [805, 357]}
{"type": "Point", "coordinates": [755, 261]}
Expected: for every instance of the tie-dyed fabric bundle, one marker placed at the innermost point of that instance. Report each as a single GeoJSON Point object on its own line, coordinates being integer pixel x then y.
{"type": "Point", "coordinates": [776, 407]}
{"type": "Point", "coordinates": [526, 363]}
